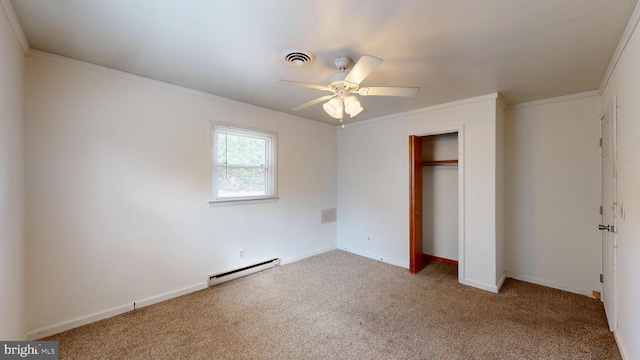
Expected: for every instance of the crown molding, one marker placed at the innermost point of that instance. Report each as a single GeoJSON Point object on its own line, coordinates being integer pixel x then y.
{"type": "Point", "coordinates": [492, 96]}
{"type": "Point", "coordinates": [576, 96]}
{"type": "Point", "coordinates": [15, 25]}
{"type": "Point", "coordinates": [54, 58]}
{"type": "Point", "coordinates": [622, 44]}
{"type": "Point", "coordinates": [500, 100]}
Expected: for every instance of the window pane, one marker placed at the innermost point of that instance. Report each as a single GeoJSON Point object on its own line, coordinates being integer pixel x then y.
{"type": "Point", "coordinates": [241, 182]}
{"type": "Point", "coordinates": [241, 150]}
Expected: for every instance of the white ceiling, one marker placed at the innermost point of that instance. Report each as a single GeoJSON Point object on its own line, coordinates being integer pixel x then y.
{"type": "Point", "coordinates": [455, 49]}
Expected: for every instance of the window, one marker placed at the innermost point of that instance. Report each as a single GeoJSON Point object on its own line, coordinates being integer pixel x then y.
{"type": "Point", "coordinates": [244, 164]}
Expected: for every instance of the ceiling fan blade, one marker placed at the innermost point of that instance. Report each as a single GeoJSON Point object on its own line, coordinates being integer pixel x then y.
{"type": "Point", "coordinates": [313, 102]}
{"type": "Point", "coordinates": [388, 91]}
{"type": "Point", "coordinates": [365, 66]}
{"type": "Point", "coordinates": [296, 83]}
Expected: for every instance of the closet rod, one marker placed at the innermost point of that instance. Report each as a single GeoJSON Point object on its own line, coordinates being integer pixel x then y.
{"type": "Point", "coordinates": [440, 162]}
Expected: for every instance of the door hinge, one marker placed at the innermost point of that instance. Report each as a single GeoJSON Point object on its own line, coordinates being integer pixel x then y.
{"type": "Point", "coordinates": [600, 209]}
{"type": "Point", "coordinates": [600, 142]}
{"type": "Point", "coordinates": [601, 278]}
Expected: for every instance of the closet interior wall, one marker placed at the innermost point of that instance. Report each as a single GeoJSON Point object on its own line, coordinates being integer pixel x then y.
{"type": "Point", "coordinates": [440, 195]}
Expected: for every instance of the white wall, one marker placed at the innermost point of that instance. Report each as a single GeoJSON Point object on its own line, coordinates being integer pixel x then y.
{"type": "Point", "coordinates": [12, 258]}
{"type": "Point", "coordinates": [440, 147]}
{"type": "Point", "coordinates": [440, 197]}
{"type": "Point", "coordinates": [625, 84]}
{"type": "Point", "coordinates": [117, 192]}
{"type": "Point", "coordinates": [553, 184]}
{"type": "Point", "coordinates": [373, 185]}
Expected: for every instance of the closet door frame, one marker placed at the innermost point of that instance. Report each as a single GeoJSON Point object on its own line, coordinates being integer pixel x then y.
{"type": "Point", "coordinates": [415, 198]}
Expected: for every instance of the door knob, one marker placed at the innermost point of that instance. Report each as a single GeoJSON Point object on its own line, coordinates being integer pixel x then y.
{"type": "Point", "coordinates": [602, 227]}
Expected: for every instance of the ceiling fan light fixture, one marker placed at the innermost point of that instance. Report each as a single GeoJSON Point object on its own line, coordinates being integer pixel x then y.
{"type": "Point", "coordinates": [334, 108]}
{"type": "Point", "coordinates": [352, 106]}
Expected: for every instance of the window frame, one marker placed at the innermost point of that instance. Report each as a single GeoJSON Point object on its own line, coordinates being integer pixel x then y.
{"type": "Point", "coordinates": [271, 139]}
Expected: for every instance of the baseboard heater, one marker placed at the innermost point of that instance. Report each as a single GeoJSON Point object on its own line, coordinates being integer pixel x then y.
{"type": "Point", "coordinates": [243, 271]}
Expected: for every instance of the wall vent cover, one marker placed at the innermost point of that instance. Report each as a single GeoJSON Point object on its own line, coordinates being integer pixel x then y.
{"type": "Point", "coordinates": [297, 57]}
{"type": "Point", "coordinates": [328, 216]}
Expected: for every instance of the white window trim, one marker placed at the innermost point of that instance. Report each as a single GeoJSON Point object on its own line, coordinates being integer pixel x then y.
{"type": "Point", "coordinates": [272, 168]}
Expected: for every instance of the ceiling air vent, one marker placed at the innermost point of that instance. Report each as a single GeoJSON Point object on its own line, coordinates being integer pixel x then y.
{"type": "Point", "coordinates": [299, 57]}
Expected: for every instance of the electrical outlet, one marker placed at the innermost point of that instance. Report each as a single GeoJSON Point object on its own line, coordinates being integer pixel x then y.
{"type": "Point", "coordinates": [240, 253]}
{"type": "Point", "coordinates": [368, 238]}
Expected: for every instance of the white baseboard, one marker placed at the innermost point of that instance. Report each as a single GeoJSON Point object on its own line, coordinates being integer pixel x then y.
{"type": "Point", "coordinates": [304, 256]}
{"type": "Point", "coordinates": [621, 347]}
{"type": "Point", "coordinates": [376, 257]}
{"type": "Point", "coordinates": [168, 295]}
{"type": "Point", "coordinates": [569, 288]}
{"type": "Point", "coordinates": [491, 288]}
{"type": "Point", "coordinates": [502, 280]}
{"type": "Point", "coordinates": [74, 323]}
{"type": "Point", "coordinates": [477, 285]}
{"type": "Point", "coordinates": [101, 315]}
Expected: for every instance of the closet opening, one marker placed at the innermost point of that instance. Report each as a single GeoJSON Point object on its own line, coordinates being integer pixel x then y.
{"type": "Point", "coordinates": [435, 191]}
{"type": "Point", "coordinates": [440, 197]}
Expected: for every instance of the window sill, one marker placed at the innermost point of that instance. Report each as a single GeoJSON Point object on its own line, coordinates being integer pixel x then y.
{"type": "Point", "coordinates": [233, 202]}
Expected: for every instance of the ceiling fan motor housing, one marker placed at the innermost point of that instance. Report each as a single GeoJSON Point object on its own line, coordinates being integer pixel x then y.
{"type": "Point", "coordinates": [343, 62]}
{"type": "Point", "coordinates": [336, 83]}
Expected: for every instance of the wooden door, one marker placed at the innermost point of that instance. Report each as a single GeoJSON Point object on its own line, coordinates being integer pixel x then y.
{"type": "Point", "coordinates": [608, 224]}
{"type": "Point", "coordinates": [416, 262]}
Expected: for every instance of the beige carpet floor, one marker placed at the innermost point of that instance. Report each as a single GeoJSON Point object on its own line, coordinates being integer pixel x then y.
{"type": "Point", "coordinates": [339, 305]}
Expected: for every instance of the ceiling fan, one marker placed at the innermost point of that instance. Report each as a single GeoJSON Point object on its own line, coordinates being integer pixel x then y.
{"type": "Point", "coordinates": [343, 85]}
